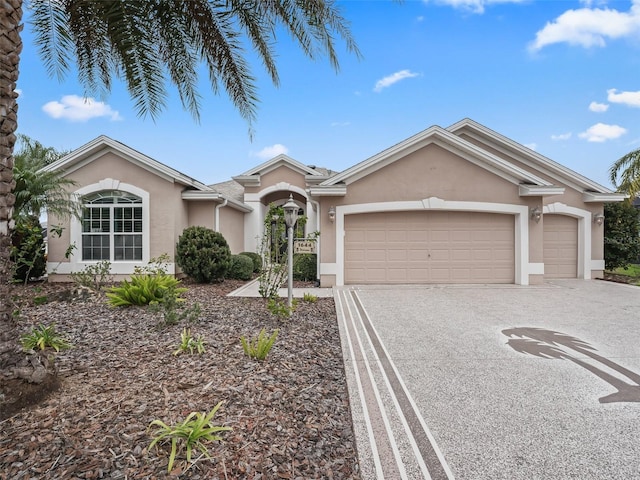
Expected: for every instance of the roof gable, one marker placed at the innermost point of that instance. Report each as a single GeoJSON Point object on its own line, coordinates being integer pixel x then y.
{"type": "Point", "coordinates": [537, 162]}
{"type": "Point", "coordinates": [445, 139]}
{"type": "Point", "coordinates": [96, 148]}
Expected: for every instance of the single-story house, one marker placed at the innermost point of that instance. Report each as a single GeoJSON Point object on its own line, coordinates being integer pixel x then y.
{"type": "Point", "coordinates": [461, 204]}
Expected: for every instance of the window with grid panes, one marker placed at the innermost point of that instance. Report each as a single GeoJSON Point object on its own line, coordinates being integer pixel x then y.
{"type": "Point", "coordinates": [112, 226]}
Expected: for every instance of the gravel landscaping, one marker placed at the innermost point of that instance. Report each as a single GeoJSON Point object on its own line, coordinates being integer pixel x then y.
{"type": "Point", "coordinates": [289, 415]}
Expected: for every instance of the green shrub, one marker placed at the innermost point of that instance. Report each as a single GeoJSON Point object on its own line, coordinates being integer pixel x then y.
{"type": "Point", "coordinates": [258, 348]}
{"type": "Point", "coordinates": [143, 289]}
{"type": "Point", "coordinates": [27, 251]}
{"type": "Point", "coordinates": [42, 337]}
{"type": "Point", "coordinates": [304, 266]}
{"type": "Point", "coordinates": [257, 260]}
{"type": "Point", "coordinates": [203, 254]}
{"type": "Point", "coordinates": [621, 235]}
{"type": "Point", "coordinates": [173, 308]}
{"type": "Point", "coordinates": [241, 267]}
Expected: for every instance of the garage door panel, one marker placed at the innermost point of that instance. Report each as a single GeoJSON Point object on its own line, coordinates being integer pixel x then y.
{"type": "Point", "coordinates": [560, 246]}
{"type": "Point", "coordinates": [430, 247]}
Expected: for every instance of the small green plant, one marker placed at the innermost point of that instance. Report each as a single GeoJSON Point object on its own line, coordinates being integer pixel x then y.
{"type": "Point", "coordinates": [190, 344]}
{"type": "Point", "coordinates": [40, 300]}
{"type": "Point", "coordinates": [258, 348]}
{"type": "Point", "coordinates": [42, 337]}
{"type": "Point", "coordinates": [309, 297]}
{"type": "Point", "coordinates": [193, 431]}
{"type": "Point", "coordinates": [174, 309]}
{"type": "Point", "coordinates": [94, 276]}
{"type": "Point", "coordinates": [144, 289]}
{"type": "Point", "coordinates": [278, 307]}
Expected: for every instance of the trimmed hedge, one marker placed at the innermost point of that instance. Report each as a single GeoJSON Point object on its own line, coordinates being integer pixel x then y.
{"type": "Point", "coordinates": [304, 267]}
{"type": "Point", "coordinates": [257, 260]}
{"type": "Point", "coordinates": [203, 254]}
{"type": "Point", "coordinates": [241, 267]}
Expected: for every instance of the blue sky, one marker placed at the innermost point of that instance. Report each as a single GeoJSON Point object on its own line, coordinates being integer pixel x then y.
{"type": "Point", "coordinates": [558, 76]}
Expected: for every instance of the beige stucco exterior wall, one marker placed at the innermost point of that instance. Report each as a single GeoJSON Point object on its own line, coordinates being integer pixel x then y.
{"type": "Point", "coordinates": [432, 172]}
{"type": "Point", "coordinates": [202, 213]}
{"type": "Point", "coordinates": [429, 172]}
{"type": "Point", "coordinates": [57, 247]}
{"type": "Point", "coordinates": [167, 212]}
{"type": "Point", "coordinates": [232, 227]}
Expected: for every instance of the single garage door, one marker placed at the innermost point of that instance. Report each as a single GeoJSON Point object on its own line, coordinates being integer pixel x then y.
{"type": "Point", "coordinates": [429, 247]}
{"type": "Point", "coordinates": [560, 246]}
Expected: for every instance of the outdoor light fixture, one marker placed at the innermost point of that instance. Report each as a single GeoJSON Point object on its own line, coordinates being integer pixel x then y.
{"type": "Point", "coordinates": [290, 218]}
{"type": "Point", "coordinates": [598, 219]}
{"type": "Point", "coordinates": [536, 214]}
{"type": "Point", "coordinates": [332, 213]}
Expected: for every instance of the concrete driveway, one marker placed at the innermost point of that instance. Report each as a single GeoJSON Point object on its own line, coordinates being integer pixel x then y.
{"type": "Point", "coordinates": [494, 382]}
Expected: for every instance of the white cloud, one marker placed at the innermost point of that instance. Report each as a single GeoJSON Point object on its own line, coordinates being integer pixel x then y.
{"type": "Point", "coordinates": [393, 78]}
{"type": "Point", "coordinates": [79, 109]}
{"type": "Point", "coordinates": [589, 27]}
{"type": "Point", "coordinates": [18, 91]}
{"type": "Point", "coordinates": [561, 136]}
{"type": "Point", "coordinates": [598, 107]}
{"type": "Point", "coordinates": [273, 151]}
{"type": "Point", "coordinates": [601, 132]}
{"type": "Point", "coordinates": [474, 6]}
{"type": "Point", "coordinates": [631, 99]}
{"type": "Point", "coordinates": [531, 146]}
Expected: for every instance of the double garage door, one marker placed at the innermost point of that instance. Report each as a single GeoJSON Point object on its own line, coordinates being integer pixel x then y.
{"type": "Point", "coordinates": [429, 247]}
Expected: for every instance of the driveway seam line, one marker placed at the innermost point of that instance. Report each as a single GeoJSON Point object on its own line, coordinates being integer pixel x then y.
{"type": "Point", "coordinates": [407, 429]}
{"type": "Point", "coordinates": [393, 372]}
{"type": "Point", "coordinates": [363, 403]}
{"type": "Point", "coordinates": [376, 393]}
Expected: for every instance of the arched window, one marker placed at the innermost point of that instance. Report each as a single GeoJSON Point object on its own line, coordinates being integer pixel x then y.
{"type": "Point", "coordinates": [112, 226]}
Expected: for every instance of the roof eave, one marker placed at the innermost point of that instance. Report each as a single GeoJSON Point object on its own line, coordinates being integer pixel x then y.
{"type": "Point", "coordinates": [328, 191]}
{"type": "Point", "coordinates": [596, 197]}
{"type": "Point", "coordinates": [191, 195]}
{"type": "Point", "coordinates": [539, 190]}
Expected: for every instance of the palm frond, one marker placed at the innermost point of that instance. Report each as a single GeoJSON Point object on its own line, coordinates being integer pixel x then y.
{"type": "Point", "coordinates": [625, 173]}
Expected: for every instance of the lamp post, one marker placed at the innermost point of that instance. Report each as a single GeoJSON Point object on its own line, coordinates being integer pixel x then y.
{"type": "Point", "coordinates": [290, 219]}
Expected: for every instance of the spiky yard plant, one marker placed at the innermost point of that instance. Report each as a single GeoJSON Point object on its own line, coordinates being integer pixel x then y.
{"type": "Point", "coordinates": [309, 298]}
{"type": "Point", "coordinates": [42, 337]}
{"type": "Point", "coordinates": [190, 344]}
{"type": "Point", "coordinates": [259, 347]}
{"type": "Point", "coordinates": [196, 429]}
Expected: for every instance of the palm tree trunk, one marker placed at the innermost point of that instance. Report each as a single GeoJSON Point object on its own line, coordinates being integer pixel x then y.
{"type": "Point", "coordinates": [10, 49]}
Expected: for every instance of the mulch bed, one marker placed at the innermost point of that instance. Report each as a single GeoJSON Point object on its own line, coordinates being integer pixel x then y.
{"type": "Point", "coordinates": [290, 414]}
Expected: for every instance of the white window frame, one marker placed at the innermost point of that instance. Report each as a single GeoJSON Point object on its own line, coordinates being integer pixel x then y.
{"type": "Point", "coordinates": [120, 267]}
